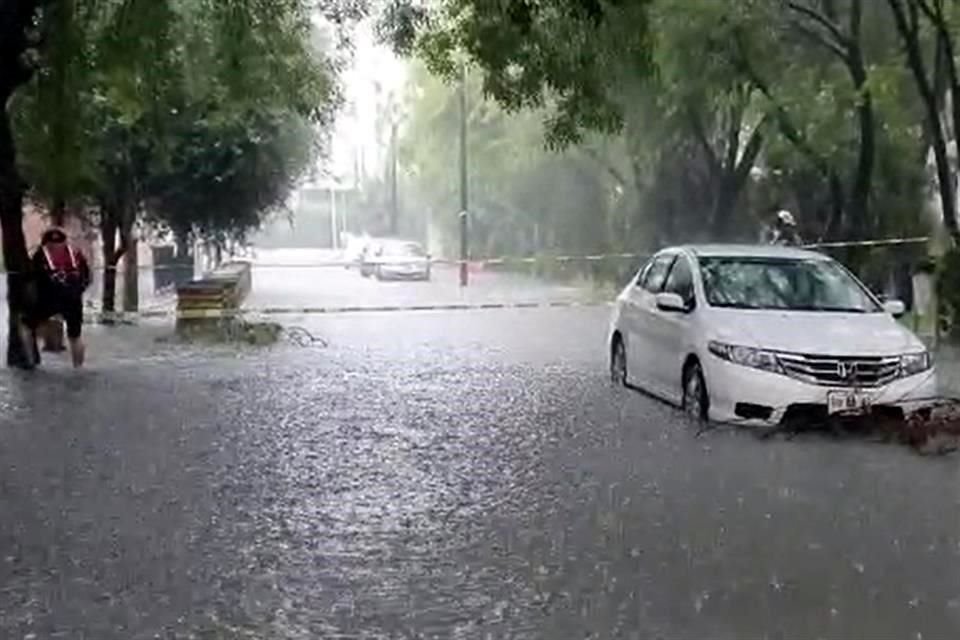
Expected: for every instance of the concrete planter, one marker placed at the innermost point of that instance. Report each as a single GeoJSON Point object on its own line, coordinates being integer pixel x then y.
{"type": "Point", "coordinates": [202, 303]}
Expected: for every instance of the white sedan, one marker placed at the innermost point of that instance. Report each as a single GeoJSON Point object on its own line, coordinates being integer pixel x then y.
{"type": "Point", "coordinates": [402, 260]}
{"type": "Point", "coordinates": [765, 335]}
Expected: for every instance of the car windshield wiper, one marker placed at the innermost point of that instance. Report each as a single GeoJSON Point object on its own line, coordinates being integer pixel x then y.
{"type": "Point", "coordinates": [736, 305]}
{"type": "Point", "coordinates": [830, 309]}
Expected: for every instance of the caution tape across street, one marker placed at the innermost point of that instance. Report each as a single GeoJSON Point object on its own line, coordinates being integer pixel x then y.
{"type": "Point", "coordinates": [203, 314]}
{"type": "Point", "coordinates": [481, 262]}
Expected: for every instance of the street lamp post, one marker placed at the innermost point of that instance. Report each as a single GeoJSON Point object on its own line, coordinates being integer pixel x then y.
{"type": "Point", "coordinates": [334, 236]}
{"type": "Point", "coordinates": [464, 196]}
{"type": "Point", "coordinates": [394, 204]}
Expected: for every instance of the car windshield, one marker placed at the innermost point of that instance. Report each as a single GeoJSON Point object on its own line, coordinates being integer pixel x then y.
{"type": "Point", "coordinates": [405, 250]}
{"type": "Point", "coordinates": [784, 284]}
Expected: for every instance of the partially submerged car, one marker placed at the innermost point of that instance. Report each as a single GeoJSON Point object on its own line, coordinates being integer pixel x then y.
{"type": "Point", "coordinates": [352, 254]}
{"type": "Point", "coordinates": [765, 335]}
{"type": "Point", "coordinates": [402, 260]}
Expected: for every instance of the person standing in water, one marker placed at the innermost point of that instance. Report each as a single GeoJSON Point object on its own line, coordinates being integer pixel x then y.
{"type": "Point", "coordinates": [62, 275]}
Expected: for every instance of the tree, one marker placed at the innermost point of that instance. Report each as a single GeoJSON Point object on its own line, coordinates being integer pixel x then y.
{"type": "Point", "coordinates": [571, 55]}
{"type": "Point", "coordinates": [705, 92]}
{"type": "Point", "coordinates": [909, 16]}
{"type": "Point", "coordinates": [712, 112]}
{"type": "Point", "coordinates": [524, 197]}
{"type": "Point", "coordinates": [223, 178]}
{"type": "Point", "coordinates": [822, 25]}
{"type": "Point", "coordinates": [120, 80]}
{"type": "Point", "coordinates": [18, 41]}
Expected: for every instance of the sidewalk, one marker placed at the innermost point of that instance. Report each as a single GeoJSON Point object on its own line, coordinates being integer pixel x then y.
{"type": "Point", "coordinates": [161, 301]}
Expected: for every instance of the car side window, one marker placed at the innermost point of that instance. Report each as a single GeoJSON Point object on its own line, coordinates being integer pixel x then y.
{"type": "Point", "coordinates": [657, 272]}
{"type": "Point", "coordinates": [680, 281]}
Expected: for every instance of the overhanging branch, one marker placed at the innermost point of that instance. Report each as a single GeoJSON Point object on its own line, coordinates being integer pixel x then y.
{"type": "Point", "coordinates": [821, 20]}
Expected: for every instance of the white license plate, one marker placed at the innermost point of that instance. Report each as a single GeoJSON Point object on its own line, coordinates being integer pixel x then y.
{"type": "Point", "coordinates": [849, 402]}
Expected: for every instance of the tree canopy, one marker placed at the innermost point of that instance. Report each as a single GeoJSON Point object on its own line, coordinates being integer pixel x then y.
{"type": "Point", "coordinates": [197, 117]}
{"type": "Point", "coordinates": [710, 114]}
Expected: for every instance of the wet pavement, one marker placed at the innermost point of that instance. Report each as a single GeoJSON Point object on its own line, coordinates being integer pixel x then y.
{"type": "Point", "coordinates": [466, 474]}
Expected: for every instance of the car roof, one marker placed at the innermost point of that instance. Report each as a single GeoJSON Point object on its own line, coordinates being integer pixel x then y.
{"type": "Point", "coordinates": [751, 251]}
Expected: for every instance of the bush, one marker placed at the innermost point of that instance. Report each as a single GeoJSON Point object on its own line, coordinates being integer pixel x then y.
{"type": "Point", "coordinates": [948, 292]}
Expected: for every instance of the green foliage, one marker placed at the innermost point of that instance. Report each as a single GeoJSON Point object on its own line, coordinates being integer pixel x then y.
{"type": "Point", "coordinates": [570, 55]}
{"type": "Point", "coordinates": [138, 102]}
{"type": "Point", "coordinates": [720, 111]}
{"type": "Point", "coordinates": [223, 177]}
{"type": "Point", "coordinates": [948, 291]}
{"type": "Point", "coordinates": [524, 197]}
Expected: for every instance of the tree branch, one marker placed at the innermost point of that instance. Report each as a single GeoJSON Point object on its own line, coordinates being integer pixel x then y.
{"type": "Point", "coordinates": [734, 127]}
{"type": "Point", "coordinates": [700, 135]}
{"type": "Point", "coordinates": [818, 37]}
{"type": "Point", "coordinates": [784, 122]}
{"type": "Point", "coordinates": [606, 166]}
{"type": "Point", "coordinates": [821, 20]}
{"type": "Point", "coordinates": [750, 152]}
{"type": "Point", "coordinates": [933, 15]}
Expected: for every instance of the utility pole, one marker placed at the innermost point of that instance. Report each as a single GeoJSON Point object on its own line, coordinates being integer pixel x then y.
{"type": "Point", "coordinates": [394, 205]}
{"type": "Point", "coordinates": [464, 196]}
{"type": "Point", "coordinates": [333, 216]}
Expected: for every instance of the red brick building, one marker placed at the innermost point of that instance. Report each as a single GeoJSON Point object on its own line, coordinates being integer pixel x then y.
{"type": "Point", "coordinates": [35, 221]}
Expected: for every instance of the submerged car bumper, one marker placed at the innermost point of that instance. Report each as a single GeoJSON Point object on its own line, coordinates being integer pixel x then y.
{"type": "Point", "coordinates": [748, 396]}
{"type": "Point", "coordinates": [404, 273]}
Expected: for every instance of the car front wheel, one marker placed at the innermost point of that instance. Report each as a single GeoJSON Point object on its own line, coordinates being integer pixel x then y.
{"type": "Point", "coordinates": [696, 400]}
{"type": "Point", "coordinates": [618, 363]}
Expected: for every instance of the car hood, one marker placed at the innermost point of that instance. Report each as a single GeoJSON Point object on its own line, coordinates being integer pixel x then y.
{"type": "Point", "coordinates": [814, 332]}
{"type": "Point", "coordinates": [402, 261]}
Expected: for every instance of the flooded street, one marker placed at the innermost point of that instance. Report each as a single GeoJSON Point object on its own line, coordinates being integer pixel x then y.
{"type": "Point", "coordinates": [443, 474]}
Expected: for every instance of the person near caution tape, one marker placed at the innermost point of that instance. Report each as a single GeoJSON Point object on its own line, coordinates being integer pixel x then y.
{"type": "Point", "coordinates": [783, 231]}
{"type": "Point", "coordinates": [61, 276]}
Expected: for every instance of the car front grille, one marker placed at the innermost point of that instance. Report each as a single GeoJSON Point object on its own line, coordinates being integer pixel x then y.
{"type": "Point", "coordinates": [841, 371]}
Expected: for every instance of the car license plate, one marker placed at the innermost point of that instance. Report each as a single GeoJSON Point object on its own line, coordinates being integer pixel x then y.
{"type": "Point", "coordinates": [850, 402]}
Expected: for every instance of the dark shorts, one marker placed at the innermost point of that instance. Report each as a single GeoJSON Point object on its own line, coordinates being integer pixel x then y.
{"type": "Point", "coordinates": [70, 308]}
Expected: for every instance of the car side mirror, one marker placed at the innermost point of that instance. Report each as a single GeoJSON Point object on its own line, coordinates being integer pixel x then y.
{"type": "Point", "coordinates": [896, 308]}
{"type": "Point", "coordinates": [671, 302]}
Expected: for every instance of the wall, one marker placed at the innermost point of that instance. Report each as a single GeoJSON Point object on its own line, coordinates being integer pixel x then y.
{"type": "Point", "coordinates": [86, 238]}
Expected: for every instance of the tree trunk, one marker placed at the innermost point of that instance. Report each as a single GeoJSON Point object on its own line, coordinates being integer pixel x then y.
{"type": "Point", "coordinates": [108, 238]}
{"type": "Point", "coordinates": [131, 277]}
{"type": "Point", "coordinates": [58, 213]}
{"type": "Point", "coordinates": [724, 206]}
{"type": "Point", "coordinates": [905, 17]}
{"type": "Point", "coordinates": [860, 222]}
{"type": "Point", "coordinates": [182, 241]}
{"type": "Point", "coordinates": [185, 266]}
{"type": "Point", "coordinates": [735, 176]}
{"type": "Point", "coordinates": [15, 258]}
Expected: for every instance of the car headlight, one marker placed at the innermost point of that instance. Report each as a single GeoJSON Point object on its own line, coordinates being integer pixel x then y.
{"type": "Point", "coordinates": [913, 363]}
{"type": "Point", "coordinates": [746, 356]}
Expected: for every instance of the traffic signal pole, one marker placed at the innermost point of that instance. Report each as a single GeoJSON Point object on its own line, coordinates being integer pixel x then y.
{"type": "Point", "coordinates": [464, 196]}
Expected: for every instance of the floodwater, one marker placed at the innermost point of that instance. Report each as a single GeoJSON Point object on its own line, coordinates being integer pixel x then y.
{"type": "Point", "coordinates": [452, 474]}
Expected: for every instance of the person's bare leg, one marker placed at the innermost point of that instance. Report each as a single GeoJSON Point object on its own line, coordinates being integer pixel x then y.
{"type": "Point", "coordinates": [53, 332]}
{"type": "Point", "coordinates": [77, 351]}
